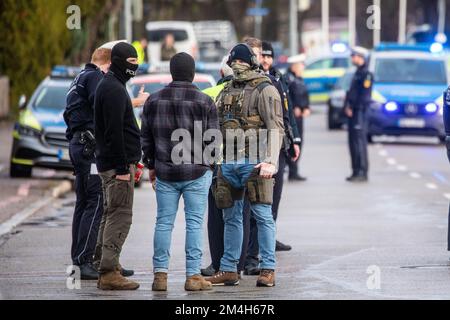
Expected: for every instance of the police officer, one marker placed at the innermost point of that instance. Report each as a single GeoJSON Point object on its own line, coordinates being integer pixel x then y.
{"type": "Point", "coordinates": [299, 97]}
{"type": "Point", "coordinates": [249, 103]}
{"type": "Point", "coordinates": [79, 117]}
{"type": "Point", "coordinates": [447, 142]}
{"type": "Point", "coordinates": [356, 106]}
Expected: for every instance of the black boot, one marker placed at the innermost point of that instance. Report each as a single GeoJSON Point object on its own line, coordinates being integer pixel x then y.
{"type": "Point", "coordinates": [358, 178]}
{"type": "Point", "coordinates": [297, 177]}
{"type": "Point", "coordinates": [282, 247]}
{"type": "Point", "coordinates": [126, 272]}
{"type": "Point", "coordinates": [88, 272]}
{"type": "Point", "coordinates": [209, 271]}
{"type": "Point", "coordinates": [252, 267]}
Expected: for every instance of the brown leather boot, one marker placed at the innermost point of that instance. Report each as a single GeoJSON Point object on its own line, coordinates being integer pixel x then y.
{"type": "Point", "coordinates": [266, 278]}
{"type": "Point", "coordinates": [160, 282]}
{"type": "Point", "coordinates": [222, 278]}
{"type": "Point", "coordinates": [197, 283]}
{"type": "Point", "coordinates": [115, 281]}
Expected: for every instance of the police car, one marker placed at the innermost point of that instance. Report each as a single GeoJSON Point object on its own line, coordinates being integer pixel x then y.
{"type": "Point", "coordinates": [407, 97]}
{"type": "Point", "coordinates": [336, 103]}
{"type": "Point", "coordinates": [39, 135]}
{"type": "Point", "coordinates": [322, 73]}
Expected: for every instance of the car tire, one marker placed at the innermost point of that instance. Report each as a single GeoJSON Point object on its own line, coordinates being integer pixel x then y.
{"type": "Point", "coordinates": [332, 124]}
{"type": "Point", "coordinates": [20, 171]}
{"type": "Point", "coordinates": [370, 139]}
{"type": "Point", "coordinates": [442, 139]}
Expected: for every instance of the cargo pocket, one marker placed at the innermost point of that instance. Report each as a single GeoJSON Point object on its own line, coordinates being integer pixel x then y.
{"type": "Point", "coordinates": [260, 190]}
{"type": "Point", "coordinates": [118, 193]}
{"type": "Point", "coordinates": [222, 192]}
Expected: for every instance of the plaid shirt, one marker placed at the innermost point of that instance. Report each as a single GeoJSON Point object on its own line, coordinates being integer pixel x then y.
{"type": "Point", "coordinates": [177, 106]}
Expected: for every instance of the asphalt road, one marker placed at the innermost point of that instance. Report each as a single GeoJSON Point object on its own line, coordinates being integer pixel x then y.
{"type": "Point", "coordinates": [386, 239]}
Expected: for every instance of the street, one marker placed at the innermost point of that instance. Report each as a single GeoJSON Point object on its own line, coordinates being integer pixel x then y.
{"type": "Point", "coordinates": [381, 240]}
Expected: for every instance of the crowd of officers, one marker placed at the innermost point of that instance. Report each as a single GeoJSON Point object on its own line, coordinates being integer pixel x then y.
{"type": "Point", "coordinates": [106, 146]}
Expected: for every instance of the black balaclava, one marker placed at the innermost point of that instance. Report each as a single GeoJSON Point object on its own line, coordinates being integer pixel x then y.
{"type": "Point", "coordinates": [182, 67]}
{"type": "Point", "coordinates": [119, 64]}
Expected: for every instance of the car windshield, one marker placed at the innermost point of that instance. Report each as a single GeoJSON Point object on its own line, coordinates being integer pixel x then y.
{"type": "Point", "coordinates": [412, 70]}
{"type": "Point", "coordinates": [157, 86]}
{"type": "Point", "coordinates": [159, 35]}
{"type": "Point", "coordinates": [51, 97]}
{"type": "Point", "coordinates": [345, 82]}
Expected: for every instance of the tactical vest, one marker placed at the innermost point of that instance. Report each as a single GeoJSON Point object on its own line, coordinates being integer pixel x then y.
{"type": "Point", "coordinates": [234, 110]}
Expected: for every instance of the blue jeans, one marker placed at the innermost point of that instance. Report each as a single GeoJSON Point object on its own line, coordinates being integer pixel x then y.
{"type": "Point", "coordinates": [195, 195]}
{"type": "Point", "coordinates": [237, 175]}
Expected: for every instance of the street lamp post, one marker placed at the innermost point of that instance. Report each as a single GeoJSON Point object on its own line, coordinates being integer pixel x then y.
{"type": "Point", "coordinates": [293, 27]}
{"type": "Point", "coordinates": [128, 21]}
{"type": "Point", "coordinates": [326, 22]}
{"type": "Point", "coordinates": [402, 21]}
{"type": "Point", "coordinates": [351, 22]}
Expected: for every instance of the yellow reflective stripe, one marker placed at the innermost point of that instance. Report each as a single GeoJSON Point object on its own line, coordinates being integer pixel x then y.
{"type": "Point", "coordinates": [16, 135]}
{"type": "Point", "coordinates": [378, 97]}
{"type": "Point", "coordinates": [214, 92]}
{"type": "Point", "coordinates": [22, 161]}
{"type": "Point", "coordinates": [27, 118]}
{"type": "Point", "coordinates": [329, 73]}
{"type": "Point", "coordinates": [318, 97]}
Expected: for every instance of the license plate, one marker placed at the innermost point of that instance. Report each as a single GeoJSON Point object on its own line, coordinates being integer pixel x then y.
{"type": "Point", "coordinates": [411, 123]}
{"type": "Point", "coordinates": [63, 154]}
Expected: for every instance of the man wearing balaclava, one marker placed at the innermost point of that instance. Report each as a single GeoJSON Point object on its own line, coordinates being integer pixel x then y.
{"type": "Point", "coordinates": [118, 151]}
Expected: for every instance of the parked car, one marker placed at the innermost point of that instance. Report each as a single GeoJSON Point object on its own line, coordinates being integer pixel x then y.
{"type": "Point", "coordinates": [185, 41]}
{"type": "Point", "coordinates": [336, 102]}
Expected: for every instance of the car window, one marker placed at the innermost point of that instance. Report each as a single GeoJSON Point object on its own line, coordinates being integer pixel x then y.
{"type": "Point", "coordinates": [51, 98]}
{"type": "Point", "coordinates": [410, 71]}
{"type": "Point", "coordinates": [341, 63]}
{"type": "Point", "coordinates": [345, 82]}
{"type": "Point", "coordinates": [321, 64]}
{"type": "Point", "coordinates": [159, 35]}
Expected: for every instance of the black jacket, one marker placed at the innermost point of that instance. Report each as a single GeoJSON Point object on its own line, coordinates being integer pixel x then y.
{"type": "Point", "coordinates": [298, 92]}
{"type": "Point", "coordinates": [360, 93]}
{"type": "Point", "coordinates": [79, 113]}
{"type": "Point", "coordinates": [116, 129]}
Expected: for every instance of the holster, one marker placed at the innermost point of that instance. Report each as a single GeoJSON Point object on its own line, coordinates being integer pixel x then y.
{"type": "Point", "coordinates": [224, 193]}
{"type": "Point", "coordinates": [259, 189]}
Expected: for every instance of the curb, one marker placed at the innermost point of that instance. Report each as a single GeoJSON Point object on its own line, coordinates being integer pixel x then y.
{"type": "Point", "coordinates": [58, 191]}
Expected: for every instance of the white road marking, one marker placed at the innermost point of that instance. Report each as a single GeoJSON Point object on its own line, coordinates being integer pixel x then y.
{"type": "Point", "coordinates": [431, 186]}
{"type": "Point", "coordinates": [402, 168]}
{"type": "Point", "coordinates": [17, 219]}
{"type": "Point", "coordinates": [383, 153]}
{"type": "Point", "coordinates": [447, 196]}
{"type": "Point", "coordinates": [415, 175]}
{"type": "Point", "coordinates": [391, 161]}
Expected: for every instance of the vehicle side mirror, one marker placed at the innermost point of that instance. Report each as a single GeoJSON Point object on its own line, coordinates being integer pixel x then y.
{"type": "Point", "coordinates": [22, 102]}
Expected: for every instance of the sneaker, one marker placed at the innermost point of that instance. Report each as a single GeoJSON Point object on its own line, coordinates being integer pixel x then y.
{"type": "Point", "coordinates": [222, 278]}
{"type": "Point", "coordinates": [115, 281]}
{"type": "Point", "coordinates": [208, 272]}
{"type": "Point", "coordinates": [282, 247]}
{"type": "Point", "coordinates": [160, 282]}
{"type": "Point", "coordinates": [266, 278]}
{"type": "Point", "coordinates": [197, 283]}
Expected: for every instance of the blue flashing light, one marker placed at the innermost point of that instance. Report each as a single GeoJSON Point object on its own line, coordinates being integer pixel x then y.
{"type": "Point", "coordinates": [339, 47]}
{"type": "Point", "coordinates": [403, 47]}
{"type": "Point", "coordinates": [65, 72]}
{"type": "Point", "coordinates": [391, 106]}
{"type": "Point", "coordinates": [436, 47]}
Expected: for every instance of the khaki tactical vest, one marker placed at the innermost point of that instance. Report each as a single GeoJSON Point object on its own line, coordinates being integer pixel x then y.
{"type": "Point", "coordinates": [237, 106]}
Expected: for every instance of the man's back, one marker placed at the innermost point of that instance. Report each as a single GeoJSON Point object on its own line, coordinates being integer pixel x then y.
{"type": "Point", "coordinates": [178, 106]}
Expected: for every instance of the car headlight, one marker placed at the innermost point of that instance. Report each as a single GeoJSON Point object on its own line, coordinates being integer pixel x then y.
{"type": "Point", "coordinates": [27, 131]}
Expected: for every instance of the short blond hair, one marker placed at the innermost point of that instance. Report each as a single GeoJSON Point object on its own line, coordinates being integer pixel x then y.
{"type": "Point", "coordinates": [253, 42]}
{"type": "Point", "coordinates": [101, 56]}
